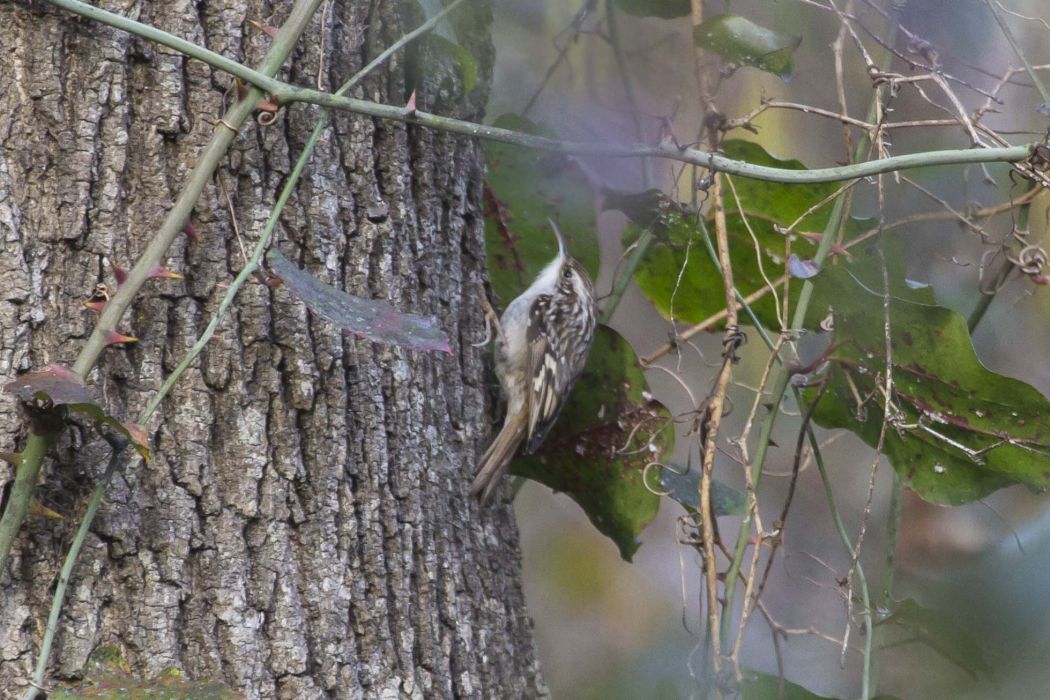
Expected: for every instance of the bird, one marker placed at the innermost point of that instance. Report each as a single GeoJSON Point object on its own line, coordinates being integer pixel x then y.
{"type": "Point", "coordinates": [542, 342]}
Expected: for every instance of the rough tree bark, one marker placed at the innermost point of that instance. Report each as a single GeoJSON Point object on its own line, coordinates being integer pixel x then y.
{"type": "Point", "coordinates": [304, 529]}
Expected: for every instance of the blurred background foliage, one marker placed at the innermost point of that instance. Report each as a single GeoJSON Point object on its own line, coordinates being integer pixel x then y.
{"type": "Point", "coordinates": [977, 574]}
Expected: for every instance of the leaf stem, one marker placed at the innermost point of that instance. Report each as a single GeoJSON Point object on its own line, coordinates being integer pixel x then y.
{"type": "Point", "coordinates": [26, 475]}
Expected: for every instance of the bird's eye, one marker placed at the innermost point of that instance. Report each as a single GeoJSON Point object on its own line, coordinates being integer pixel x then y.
{"type": "Point", "coordinates": [567, 273]}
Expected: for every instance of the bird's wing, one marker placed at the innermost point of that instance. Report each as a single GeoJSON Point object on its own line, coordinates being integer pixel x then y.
{"type": "Point", "coordinates": [547, 378]}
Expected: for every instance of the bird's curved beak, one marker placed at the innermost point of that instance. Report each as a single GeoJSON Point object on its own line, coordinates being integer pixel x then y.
{"type": "Point", "coordinates": [563, 249]}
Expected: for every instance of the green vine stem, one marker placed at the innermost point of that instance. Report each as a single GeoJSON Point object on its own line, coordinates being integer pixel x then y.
{"type": "Point", "coordinates": [626, 274]}
{"type": "Point", "coordinates": [201, 175]}
{"type": "Point", "coordinates": [889, 571]}
{"type": "Point", "coordinates": [999, 278]}
{"type": "Point", "coordinates": [892, 531]}
{"type": "Point", "coordinates": [283, 93]}
{"type": "Point", "coordinates": [26, 475]}
{"type": "Point", "coordinates": [780, 385]}
{"type": "Point", "coordinates": [763, 444]}
{"type": "Point", "coordinates": [67, 569]}
{"type": "Point", "coordinates": [249, 268]}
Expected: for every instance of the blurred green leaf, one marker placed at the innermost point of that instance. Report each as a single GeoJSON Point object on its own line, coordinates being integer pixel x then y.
{"type": "Point", "coordinates": [678, 275]}
{"type": "Point", "coordinates": [940, 632]}
{"type": "Point", "coordinates": [961, 431]}
{"type": "Point", "coordinates": [575, 569]}
{"type": "Point", "coordinates": [597, 451]}
{"type": "Point", "coordinates": [741, 41]}
{"type": "Point", "coordinates": [524, 188]}
{"type": "Point", "coordinates": [468, 67]}
{"type": "Point", "coordinates": [763, 686]}
{"type": "Point", "coordinates": [685, 488]}
{"type": "Point", "coordinates": [666, 9]}
{"type": "Point", "coordinates": [445, 36]}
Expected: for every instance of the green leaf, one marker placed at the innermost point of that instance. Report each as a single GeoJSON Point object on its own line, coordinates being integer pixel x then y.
{"type": "Point", "coordinates": [445, 36]}
{"type": "Point", "coordinates": [55, 389]}
{"type": "Point", "coordinates": [779, 201]}
{"type": "Point", "coordinates": [961, 431]}
{"type": "Point", "coordinates": [677, 273]}
{"type": "Point", "coordinates": [763, 686]}
{"type": "Point", "coordinates": [523, 189]}
{"type": "Point", "coordinates": [374, 319]}
{"type": "Point", "coordinates": [742, 42]}
{"type": "Point", "coordinates": [597, 451]}
{"type": "Point", "coordinates": [468, 67]}
{"type": "Point", "coordinates": [684, 486]}
{"type": "Point", "coordinates": [679, 258]}
{"type": "Point", "coordinates": [940, 632]}
{"type": "Point", "coordinates": [666, 9]}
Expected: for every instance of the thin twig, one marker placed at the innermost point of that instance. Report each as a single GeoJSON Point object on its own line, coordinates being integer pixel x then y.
{"type": "Point", "coordinates": [1012, 13]}
{"type": "Point", "coordinates": [717, 402]}
{"type": "Point", "coordinates": [887, 389]}
{"type": "Point", "coordinates": [575, 28]}
{"type": "Point", "coordinates": [752, 504]}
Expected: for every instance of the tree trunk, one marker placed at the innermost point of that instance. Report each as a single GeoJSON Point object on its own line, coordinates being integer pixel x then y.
{"type": "Point", "coordinates": [304, 528]}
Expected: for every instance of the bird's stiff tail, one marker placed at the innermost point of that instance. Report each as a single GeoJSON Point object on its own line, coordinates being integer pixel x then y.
{"type": "Point", "coordinates": [496, 458]}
